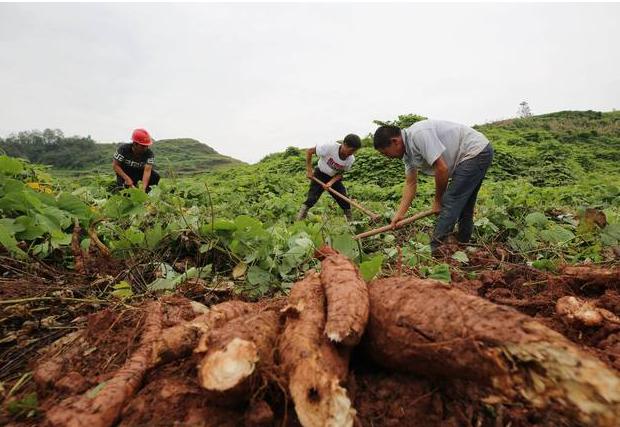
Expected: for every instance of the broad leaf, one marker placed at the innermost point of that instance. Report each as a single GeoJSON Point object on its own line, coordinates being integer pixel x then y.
{"type": "Point", "coordinates": [370, 268]}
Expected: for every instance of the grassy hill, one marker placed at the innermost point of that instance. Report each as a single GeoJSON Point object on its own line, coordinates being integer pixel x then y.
{"type": "Point", "coordinates": [80, 155]}
{"type": "Point", "coordinates": [547, 150]}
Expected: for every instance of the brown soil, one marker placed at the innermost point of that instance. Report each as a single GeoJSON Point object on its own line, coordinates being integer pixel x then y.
{"type": "Point", "coordinates": [171, 394]}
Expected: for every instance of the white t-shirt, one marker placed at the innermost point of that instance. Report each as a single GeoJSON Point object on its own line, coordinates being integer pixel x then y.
{"type": "Point", "coordinates": [330, 162]}
{"type": "Point", "coordinates": [426, 140]}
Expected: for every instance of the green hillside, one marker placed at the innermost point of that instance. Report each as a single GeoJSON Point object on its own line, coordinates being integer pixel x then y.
{"type": "Point", "coordinates": [79, 155]}
{"type": "Point", "coordinates": [545, 151]}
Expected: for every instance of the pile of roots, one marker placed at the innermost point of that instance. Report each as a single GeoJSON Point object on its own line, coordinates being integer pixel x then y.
{"type": "Point", "coordinates": [399, 351]}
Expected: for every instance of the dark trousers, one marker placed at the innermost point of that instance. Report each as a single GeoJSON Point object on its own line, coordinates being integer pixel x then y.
{"type": "Point", "coordinates": [459, 200]}
{"type": "Point", "coordinates": [136, 175]}
{"type": "Point", "coordinates": [316, 190]}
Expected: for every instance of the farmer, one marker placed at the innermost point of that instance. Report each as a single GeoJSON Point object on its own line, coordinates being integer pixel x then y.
{"type": "Point", "coordinates": [334, 159]}
{"type": "Point", "coordinates": [134, 162]}
{"type": "Point", "coordinates": [450, 151]}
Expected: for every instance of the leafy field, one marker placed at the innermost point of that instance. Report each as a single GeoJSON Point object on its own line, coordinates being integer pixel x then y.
{"type": "Point", "coordinates": [548, 171]}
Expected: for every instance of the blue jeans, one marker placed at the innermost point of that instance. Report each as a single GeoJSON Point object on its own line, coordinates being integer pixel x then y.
{"type": "Point", "coordinates": [459, 200]}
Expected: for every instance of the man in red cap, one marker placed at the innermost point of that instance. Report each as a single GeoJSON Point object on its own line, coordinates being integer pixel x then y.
{"type": "Point", "coordinates": [134, 162]}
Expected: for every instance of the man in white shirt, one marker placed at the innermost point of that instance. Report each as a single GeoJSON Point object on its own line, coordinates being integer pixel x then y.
{"type": "Point", "coordinates": [449, 151]}
{"type": "Point", "coordinates": [334, 160]}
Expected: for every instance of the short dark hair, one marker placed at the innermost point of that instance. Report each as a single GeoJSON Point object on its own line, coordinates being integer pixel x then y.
{"type": "Point", "coordinates": [352, 141]}
{"type": "Point", "coordinates": [383, 135]}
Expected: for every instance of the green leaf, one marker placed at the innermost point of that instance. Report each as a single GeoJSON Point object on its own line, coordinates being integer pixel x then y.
{"type": "Point", "coordinates": [10, 166]}
{"type": "Point", "coordinates": [536, 219]}
{"type": "Point", "coordinates": [122, 290]}
{"type": "Point", "coordinates": [461, 257]}
{"type": "Point", "coordinates": [27, 405]}
{"type": "Point", "coordinates": [75, 206]}
{"type": "Point", "coordinates": [439, 272]}
{"type": "Point", "coordinates": [31, 229]}
{"type": "Point", "coordinates": [556, 235]}
{"type": "Point", "coordinates": [7, 238]}
{"type": "Point", "coordinates": [161, 284]}
{"type": "Point", "coordinates": [153, 236]}
{"type": "Point", "coordinates": [137, 196]}
{"type": "Point", "coordinates": [544, 264]}
{"type": "Point", "coordinates": [135, 237]}
{"type": "Point", "coordinates": [58, 239]}
{"type": "Point", "coordinates": [345, 244]}
{"type": "Point", "coordinates": [610, 235]}
{"type": "Point", "coordinates": [224, 225]}
{"type": "Point", "coordinates": [371, 267]}
{"type": "Point", "coordinates": [258, 277]}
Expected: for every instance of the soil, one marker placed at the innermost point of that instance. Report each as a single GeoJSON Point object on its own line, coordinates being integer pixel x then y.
{"type": "Point", "coordinates": [170, 395]}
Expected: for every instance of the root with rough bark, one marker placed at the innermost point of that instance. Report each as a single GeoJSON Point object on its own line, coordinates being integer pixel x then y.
{"type": "Point", "coordinates": [101, 407]}
{"type": "Point", "coordinates": [178, 341]}
{"type": "Point", "coordinates": [236, 356]}
{"type": "Point", "coordinates": [429, 328]}
{"type": "Point", "coordinates": [347, 300]}
{"type": "Point", "coordinates": [315, 369]}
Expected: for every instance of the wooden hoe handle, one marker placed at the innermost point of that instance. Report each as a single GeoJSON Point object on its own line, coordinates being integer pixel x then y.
{"type": "Point", "coordinates": [398, 224]}
{"type": "Point", "coordinates": [367, 211]}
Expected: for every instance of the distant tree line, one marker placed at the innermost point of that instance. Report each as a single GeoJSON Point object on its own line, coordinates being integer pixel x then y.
{"type": "Point", "coordinates": [52, 147]}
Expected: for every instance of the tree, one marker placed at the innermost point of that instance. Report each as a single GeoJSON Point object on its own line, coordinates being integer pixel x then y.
{"type": "Point", "coordinates": [524, 110]}
{"type": "Point", "coordinates": [403, 121]}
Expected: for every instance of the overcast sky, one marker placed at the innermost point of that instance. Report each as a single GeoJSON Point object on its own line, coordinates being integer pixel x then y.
{"type": "Point", "coordinates": [251, 79]}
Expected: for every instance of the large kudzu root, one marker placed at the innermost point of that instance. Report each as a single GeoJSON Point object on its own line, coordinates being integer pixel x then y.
{"type": "Point", "coordinates": [428, 328]}
{"type": "Point", "coordinates": [180, 340]}
{"type": "Point", "coordinates": [312, 365]}
{"type": "Point", "coordinates": [101, 408]}
{"type": "Point", "coordinates": [347, 300]}
{"type": "Point", "coordinates": [236, 356]}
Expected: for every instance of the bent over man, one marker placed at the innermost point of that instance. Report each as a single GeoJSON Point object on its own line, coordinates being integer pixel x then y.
{"type": "Point", "coordinates": [449, 151]}
{"type": "Point", "coordinates": [334, 160]}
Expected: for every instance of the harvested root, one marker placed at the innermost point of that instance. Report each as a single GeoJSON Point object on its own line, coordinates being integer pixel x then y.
{"type": "Point", "coordinates": [102, 408]}
{"type": "Point", "coordinates": [578, 310]}
{"type": "Point", "coordinates": [237, 354]}
{"type": "Point", "coordinates": [178, 341]}
{"type": "Point", "coordinates": [347, 300]}
{"type": "Point", "coordinates": [426, 327]}
{"type": "Point", "coordinates": [51, 371]}
{"type": "Point", "coordinates": [583, 277]}
{"type": "Point", "coordinates": [313, 366]}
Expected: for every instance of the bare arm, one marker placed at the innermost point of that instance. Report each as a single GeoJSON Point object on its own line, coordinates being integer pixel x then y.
{"type": "Point", "coordinates": [409, 190]}
{"type": "Point", "coordinates": [146, 177]}
{"type": "Point", "coordinates": [119, 171]}
{"type": "Point", "coordinates": [309, 153]}
{"type": "Point", "coordinates": [441, 182]}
